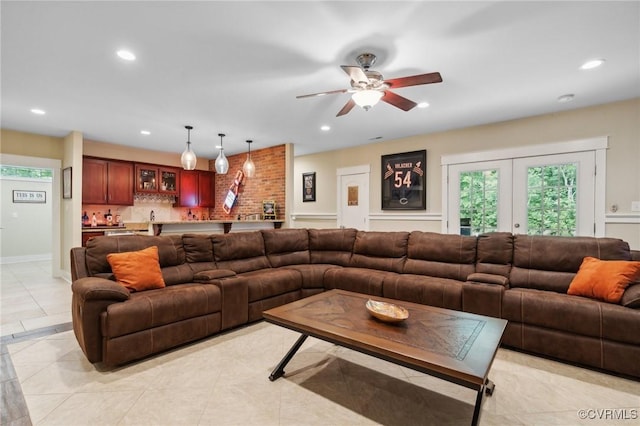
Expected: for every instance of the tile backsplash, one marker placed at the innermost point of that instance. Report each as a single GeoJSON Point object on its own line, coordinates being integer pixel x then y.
{"type": "Point", "coordinates": [163, 211]}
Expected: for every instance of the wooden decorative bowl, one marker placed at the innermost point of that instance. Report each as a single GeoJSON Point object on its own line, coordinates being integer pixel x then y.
{"type": "Point", "coordinates": [386, 312]}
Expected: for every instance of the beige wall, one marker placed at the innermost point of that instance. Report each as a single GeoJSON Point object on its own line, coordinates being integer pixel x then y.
{"type": "Point", "coordinates": [619, 121]}
{"type": "Point", "coordinates": [127, 153]}
{"type": "Point", "coordinates": [30, 145]}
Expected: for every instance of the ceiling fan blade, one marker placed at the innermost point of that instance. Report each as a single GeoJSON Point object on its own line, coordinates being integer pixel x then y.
{"type": "Point", "coordinates": [398, 101]}
{"type": "Point", "coordinates": [331, 92]}
{"type": "Point", "coordinates": [415, 80]}
{"type": "Point", "coordinates": [356, 74]}
{"type": "Point", "coordinates": [346, 108]}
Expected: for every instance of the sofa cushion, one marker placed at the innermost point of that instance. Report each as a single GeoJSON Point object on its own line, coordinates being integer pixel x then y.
{"type": "Point", "coordinates": [159, 307]}
{"type": "Point", "coordinates": [361, 280]}
{"type": "Point", "coordinates": [385, 251]}
{"type": "Point", "coordinates": [433, 291]}
{"type": "Point", "coordinates": [631, 296]}
{"type": "Point", "coordinates": [313, 274]}
{"type": "Point", "coordinates": [440, 255]}
{"type": "Point", "coordinates": [197, 248]}
{"type": "Point", "coordinates": [548, 309]}
{"type": "Point", "coordinates": [270, 282]}
{"type": "Point", "coordinates": [495, 253]}
{"type": "Point", "coordinates": [170, 250]}
{"type": "Point", "coordinates": [286, 246]}
{"type": "Point", "coordinates": [137, 270]}
{"type": "Point", "coordinates": [550, 263]}
{"type": "Point", "coordinates": [604, 279]}
{"type": "Point", "coordinates": [240, 251]}
{"type": "Point", "coordinates": [331, 246]}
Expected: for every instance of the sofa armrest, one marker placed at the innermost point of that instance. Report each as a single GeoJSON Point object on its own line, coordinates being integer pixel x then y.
{"type": "Point", "coordinates": [479, 277]}
{"type": "Point", "coordinates": [213, 274]}
{"type": "Point", "coordinates": [235, 300]}
{"type": "Point", "coordinates": [90, 298]}
{"type": "Point", "coordinates": [94, 288]}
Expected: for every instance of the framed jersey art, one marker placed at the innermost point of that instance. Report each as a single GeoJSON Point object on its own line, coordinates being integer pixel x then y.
{"type": "Point", "coordinates": [404, 181]}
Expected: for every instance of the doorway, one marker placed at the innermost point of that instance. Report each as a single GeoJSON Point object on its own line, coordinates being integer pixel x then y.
{"type": "Point", "coordinates": [353, 197]}
{"type": "Point", "coordinates": [551, 194]}
{"type": "Point", "coordinates": [13, 219]}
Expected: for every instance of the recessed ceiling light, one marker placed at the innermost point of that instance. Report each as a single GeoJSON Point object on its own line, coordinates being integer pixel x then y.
{"type": "Point", "coordinates": [38, 111]}
{"type": "Point", "coordinates": [325, 128]}
{"type": "Point", "coordinates": [566, 98]}
{"type": "Point", "coordinates": [594, 63]}
{"type": "Point", "coordinates": [126, 55]}
{"type": "Point", "coordinates": [423, 105]}
{"type": "Point", "coordinates": [145, 132]}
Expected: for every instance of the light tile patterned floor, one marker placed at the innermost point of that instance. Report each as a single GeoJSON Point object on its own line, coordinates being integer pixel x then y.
{"type": "Point", "coordinates": [31, 299]}
{"type": "Point", "coordinates": [223, 380]}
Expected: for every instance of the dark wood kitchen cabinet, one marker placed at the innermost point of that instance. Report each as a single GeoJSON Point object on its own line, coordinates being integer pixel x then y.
{"type": "Point", "coordinates": [197, 188]}
{"type": "Point", "coordinates": [151, 178]}
{"type": "Point", "coordinates": [107, 182]}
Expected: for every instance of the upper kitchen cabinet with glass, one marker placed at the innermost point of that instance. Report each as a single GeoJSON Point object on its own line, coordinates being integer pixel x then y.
{"type": "Point", "coordinates": [151, 178]}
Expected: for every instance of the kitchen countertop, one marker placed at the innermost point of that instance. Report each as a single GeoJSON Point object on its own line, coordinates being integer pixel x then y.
{"type": "Point", "coordinates": [133, 226]}
{"type": "Point", "coordinates": [173, 222]}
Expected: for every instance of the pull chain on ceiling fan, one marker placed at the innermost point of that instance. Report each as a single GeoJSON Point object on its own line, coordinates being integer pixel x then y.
{"type": "Point", "coordinates": [368, 86]}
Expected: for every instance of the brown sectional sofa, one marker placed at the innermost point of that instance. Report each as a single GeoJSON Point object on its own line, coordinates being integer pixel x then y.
{"type": "Point", "coordinates": [221, 281]}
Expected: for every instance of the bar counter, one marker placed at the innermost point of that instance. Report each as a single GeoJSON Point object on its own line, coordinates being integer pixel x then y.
{"type": "Point", "coordinates": [210, 226]}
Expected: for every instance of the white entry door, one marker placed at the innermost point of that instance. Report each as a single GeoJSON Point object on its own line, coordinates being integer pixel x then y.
{"type": "Point", "coordinates": [353, 200]}
{"type": "Point", "coordinates": [554, 194]}
{"type": "Point", "coordinates": [480, 197]}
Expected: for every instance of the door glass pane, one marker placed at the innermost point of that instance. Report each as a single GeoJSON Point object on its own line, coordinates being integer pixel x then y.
{"type": "Point", "coordinates": [551, 199]}
{"type": "Point", "coordinates": [478, 202]}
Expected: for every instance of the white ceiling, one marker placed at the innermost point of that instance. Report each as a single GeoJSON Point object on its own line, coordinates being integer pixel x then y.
{"type": "Point", "coordinates": [236, 67]}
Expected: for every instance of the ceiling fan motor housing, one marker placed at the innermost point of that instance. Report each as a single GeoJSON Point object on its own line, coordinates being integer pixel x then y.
{"type": "Point", "coordinates": [366, 60]}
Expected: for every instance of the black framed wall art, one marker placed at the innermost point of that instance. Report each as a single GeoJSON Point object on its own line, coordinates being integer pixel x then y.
{"type": "Point", "coordinates": [404, 181]}
{"type": "Point", "coordinates": [309, 186]}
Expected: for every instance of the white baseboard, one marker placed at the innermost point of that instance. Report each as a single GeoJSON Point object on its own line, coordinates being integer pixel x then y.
{"type": "Point", "coordinates": [24, 259]}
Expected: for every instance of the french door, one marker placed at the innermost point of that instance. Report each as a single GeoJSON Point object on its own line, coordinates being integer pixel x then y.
{"type": "Point", "coordinates": [542, 195]}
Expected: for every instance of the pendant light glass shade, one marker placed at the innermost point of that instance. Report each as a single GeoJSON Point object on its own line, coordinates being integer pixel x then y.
{"type": "Point", "coordinates": [222, 164]}
{"type": "Point", "coordinates": [367, 98]}
{"type": "Point", "coordinates": [188, 158]}
{"type": "Point", "coordinates": [248, 167]}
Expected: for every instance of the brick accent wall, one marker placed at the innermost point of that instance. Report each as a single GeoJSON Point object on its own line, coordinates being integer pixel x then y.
{"type": "Point", "coordinates": [267, 184]}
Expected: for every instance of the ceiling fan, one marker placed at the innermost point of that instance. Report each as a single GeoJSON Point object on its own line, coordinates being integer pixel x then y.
{"type": "Point", "coordinates": [369, 87]}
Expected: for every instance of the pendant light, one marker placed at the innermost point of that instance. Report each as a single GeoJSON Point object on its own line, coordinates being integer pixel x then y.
{"type": "Point", "coordinates": [222, 164]}
{"type": "Point", "coordinates": [248, 167]}
{"type": "Point", "coordinates": [188, 158]}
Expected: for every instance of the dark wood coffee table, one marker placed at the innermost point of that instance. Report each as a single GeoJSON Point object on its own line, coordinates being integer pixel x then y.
{"type": "Point", "coordinates": [455, 346]}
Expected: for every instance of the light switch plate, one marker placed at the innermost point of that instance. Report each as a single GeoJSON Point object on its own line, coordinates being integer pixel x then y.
{"type": "Point", "coordinates": [635, 206]}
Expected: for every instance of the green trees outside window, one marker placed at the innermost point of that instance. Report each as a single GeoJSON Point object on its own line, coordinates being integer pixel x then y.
{"type": "Point", "coordinates": [551, 200]}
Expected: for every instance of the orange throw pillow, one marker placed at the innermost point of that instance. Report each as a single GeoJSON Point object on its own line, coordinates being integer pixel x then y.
{"type": "Point", "coordinates": [137, 270]}
{"type": "Point", "coordinates": [604, 279]}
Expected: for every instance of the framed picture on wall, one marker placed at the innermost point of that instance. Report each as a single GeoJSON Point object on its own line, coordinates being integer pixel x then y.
{"type": "Point", "coordinates": [309, 186]}
{"type": "Point", "coordinates": [404, 181]}
{"type": "Point", "coordinates": [66, 182]}
{"type": "Point", "coordinates": [268, 210]}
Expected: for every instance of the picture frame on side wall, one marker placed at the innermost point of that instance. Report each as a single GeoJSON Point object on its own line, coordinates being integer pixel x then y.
{"type": "Point", "coordinates": [309, 186]}
{"type": "Point", "coordinates": [404, 179]}
{"type": "Point", "coordinates": [66, 183]}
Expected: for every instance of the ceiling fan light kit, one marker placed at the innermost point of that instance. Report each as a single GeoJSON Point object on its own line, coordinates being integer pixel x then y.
{"type": "Point", "coordinates": [188, 158]}
{"type": "Point", "coordinates": [368, 87]}
{"type": "Point", "coordinates": [249, 168]}
{"type": "Point", "coordinates": [365, 99]}
{"type": "Point", "coordinates": [222, 164]}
